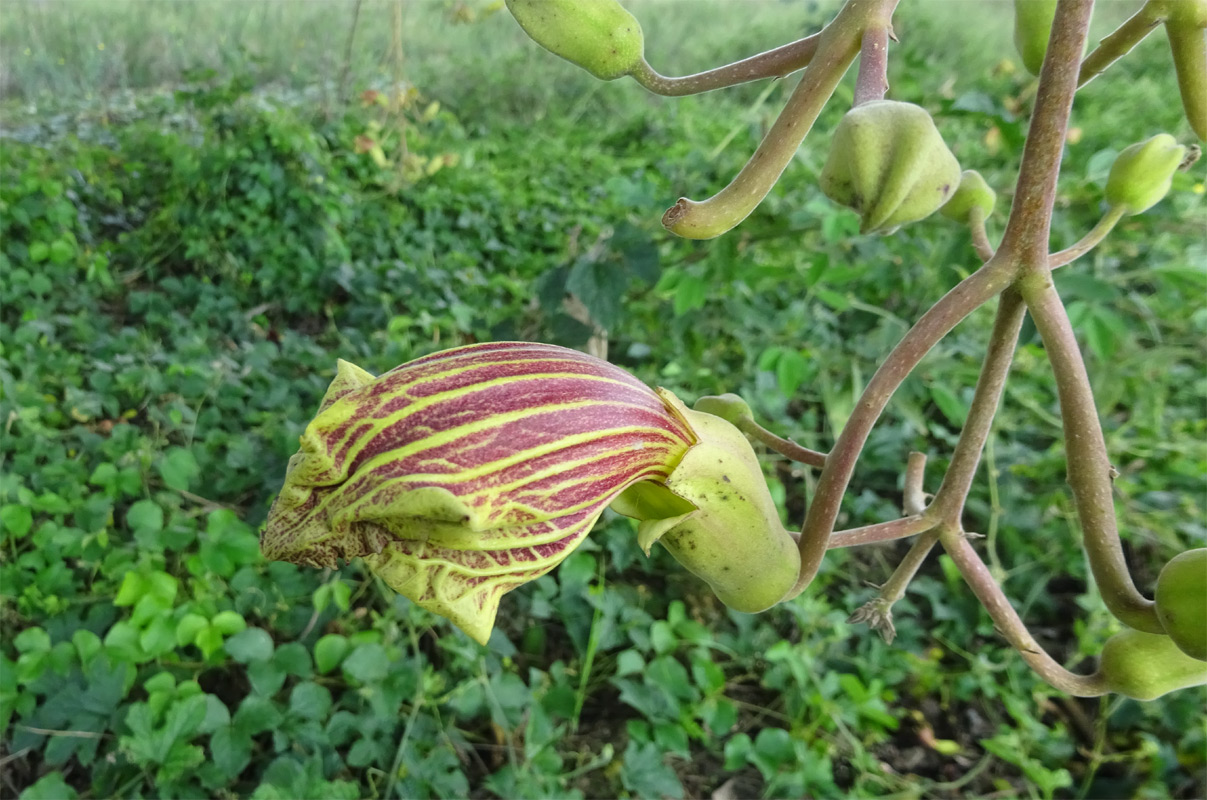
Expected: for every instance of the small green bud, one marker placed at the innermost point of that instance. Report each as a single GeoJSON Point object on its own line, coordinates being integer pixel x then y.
{"type": "Point", "coordinates": [972, 193]}
{"type": "Point", "coordinates": [888, 161]}
{"type": "Point", "coordinates": [728, 407]}
{"type": "Point", "coordinates": [1144, 666]}
{"type": "Point", "coordinates": [1186, 27]}
{"type": "Point", "coordinates": [1143, 173]}
{"type": "Point", "coordinates": [598, 35]}
{"type": "Point", "coordinates": [1032, 28]}
{"type": "Point", "coordinates": [1182, 602]}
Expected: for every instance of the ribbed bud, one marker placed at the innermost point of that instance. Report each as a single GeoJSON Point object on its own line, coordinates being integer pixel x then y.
{"type": "Point", "coordinates": [1143, 173]}
{"type": "Point", "coordinates": [463, 474]}
{"type": "Point", "coordinates": [598, 35]}
{"type": "Point", "coordinates": [888, 162]}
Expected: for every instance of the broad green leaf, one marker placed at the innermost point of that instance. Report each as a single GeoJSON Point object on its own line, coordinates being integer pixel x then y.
{"type": "Point", "coordinates": [368, 663]}
{"type": "Point", "coordinates": [146, 516]}
{"type": "Point", "coordinates": [17, 520]}
{"type": "Point", "coordinates": [329, 651]}
{"type": "Point", "coordinates": [310, 701]}
{"type": "Point", "coordinates": [253, 644]}
{"type": "Point", "coordinates": [179, 468]}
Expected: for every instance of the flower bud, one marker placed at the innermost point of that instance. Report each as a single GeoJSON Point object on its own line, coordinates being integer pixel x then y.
{"type": "Point", "coordinates": [1182, 601]}
{"type": "Point", "coordinates": [1186, 28]}
{"type": "Point", "coordinates": [728, 407]}
{"type": "Point", "coordinates": [1143, 173]}
{"type": "Point", "coordinates": [888, 162]}
{"type": "Point", "coordinates": [1144, 666]}
{"type": "Point", "coordinates": [466, 473]}
{"type": "Point", "coordinates": [598, 35]}
{"type": "Point", "coordinates": [972, 193]}
{"type": "Point", "coordinates": [728, 532]}
{"type": "Point", "coordinates": [1032, 28]}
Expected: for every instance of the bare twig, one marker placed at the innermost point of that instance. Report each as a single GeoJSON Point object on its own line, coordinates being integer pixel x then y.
{"type": "Point", "coordinates": [1119, 42]}
{"type": "Point", "coordinates": [967, 296]}
{"type": "Point", "coordinates": [949, 500]}
{"type": "Point", "coordinates": [1008, 622]}
{"type": "Point", "coordinates": [772, 64]}
{"type": "Point", "coordinates": [785, 447]}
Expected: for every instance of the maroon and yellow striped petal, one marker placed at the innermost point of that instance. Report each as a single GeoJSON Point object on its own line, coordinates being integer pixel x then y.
{"type": "Point", "coordinates": [463, 474]}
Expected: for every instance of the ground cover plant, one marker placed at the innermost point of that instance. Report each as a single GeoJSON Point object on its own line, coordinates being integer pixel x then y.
{"type": "Point", "coordinates": [181, 271]}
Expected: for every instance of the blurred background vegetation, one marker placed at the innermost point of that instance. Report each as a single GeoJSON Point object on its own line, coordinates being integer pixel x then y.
{"type": "Point", "coordinates": [203, 204]}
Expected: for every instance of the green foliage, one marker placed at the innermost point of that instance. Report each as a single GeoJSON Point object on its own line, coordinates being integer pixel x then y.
{"type": "Point", "coordinates": [177, 281]}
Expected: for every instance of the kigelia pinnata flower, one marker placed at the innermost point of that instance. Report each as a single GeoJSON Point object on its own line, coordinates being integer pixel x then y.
{"type": "Point", "coordinates": [466, 473]}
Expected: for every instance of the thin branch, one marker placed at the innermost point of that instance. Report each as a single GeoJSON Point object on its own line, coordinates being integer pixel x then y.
{"type": "Point", "coordinates": [1089, 467]}
{"type": "Point", "coordinates": [953, 492]}
{"type": "Point", "coordinates": [53, 732]}
{"type": "Point", "coordinates": [785, 447]}
{"type": "Point", "coordinates": [872, 82]}
{"type": "Point", "coordinates": [880, 532]}
{"type": "Point", "coordinates": [1008, 622]}
{"type": "Point", "coordinates": [1090, 240]}
{"type": "Point", "coordinates": [1119, 42]}
{"type": "Point", "coordinates": [967, 296]}
{"type": "Point", "coordinates": [772, 64]}
{"type": "Point", "coordinates": [878, 612]}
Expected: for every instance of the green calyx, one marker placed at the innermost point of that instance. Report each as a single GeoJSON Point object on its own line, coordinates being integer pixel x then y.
{"type": "Point", "coordinates": [716, 517]}
{"type": "Point", "coordinates": [598, 35]}
{"type": "Point", "coordinates": [1145, 666]}
{"type": "Point", "coordinates": [888, 162]}
{"type": "Point", "coordinates": [1032, 27]}
{"type": "Point", "coordinates": [973, 193]}
{"type": "Point", "coordinates": [1182, 602]}
{"type": "Point", "coordinates": [1143, 173]}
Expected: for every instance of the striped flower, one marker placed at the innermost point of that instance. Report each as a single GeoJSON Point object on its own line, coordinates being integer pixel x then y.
{"type": "Point", "coordinates": [464, 474]}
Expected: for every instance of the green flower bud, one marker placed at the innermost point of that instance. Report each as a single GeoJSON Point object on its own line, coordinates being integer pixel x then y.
{"type": "Point", "coordinates": [1186, 28]}
{"type": "Point", "coordinates": [1143, 173]}
{"type": "Point", "coordinates": [464, 474]}
{"type": "Point", "coordinates": [1182, 602]}
{"type": "Point", "coordinates": [888, 162]}
{"type": "Point", "coordinates": [1032, 28]}
{"type": "Point", "coordinates": [717, 518]}
{"type": "Point", "coordinates": [728, 407]}
{"type": "Point", "coordinates": [972, 193]}
{"type": "Point", "coordinates": [598, 35]}
{"type": "Point", "coordinates": [1145, 666]}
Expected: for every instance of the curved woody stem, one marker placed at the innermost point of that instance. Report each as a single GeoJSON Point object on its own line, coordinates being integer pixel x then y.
{"type": "Point", "coordinates": [966, 297]}
{"type": "Point", "coordinates": [1027, 233]}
